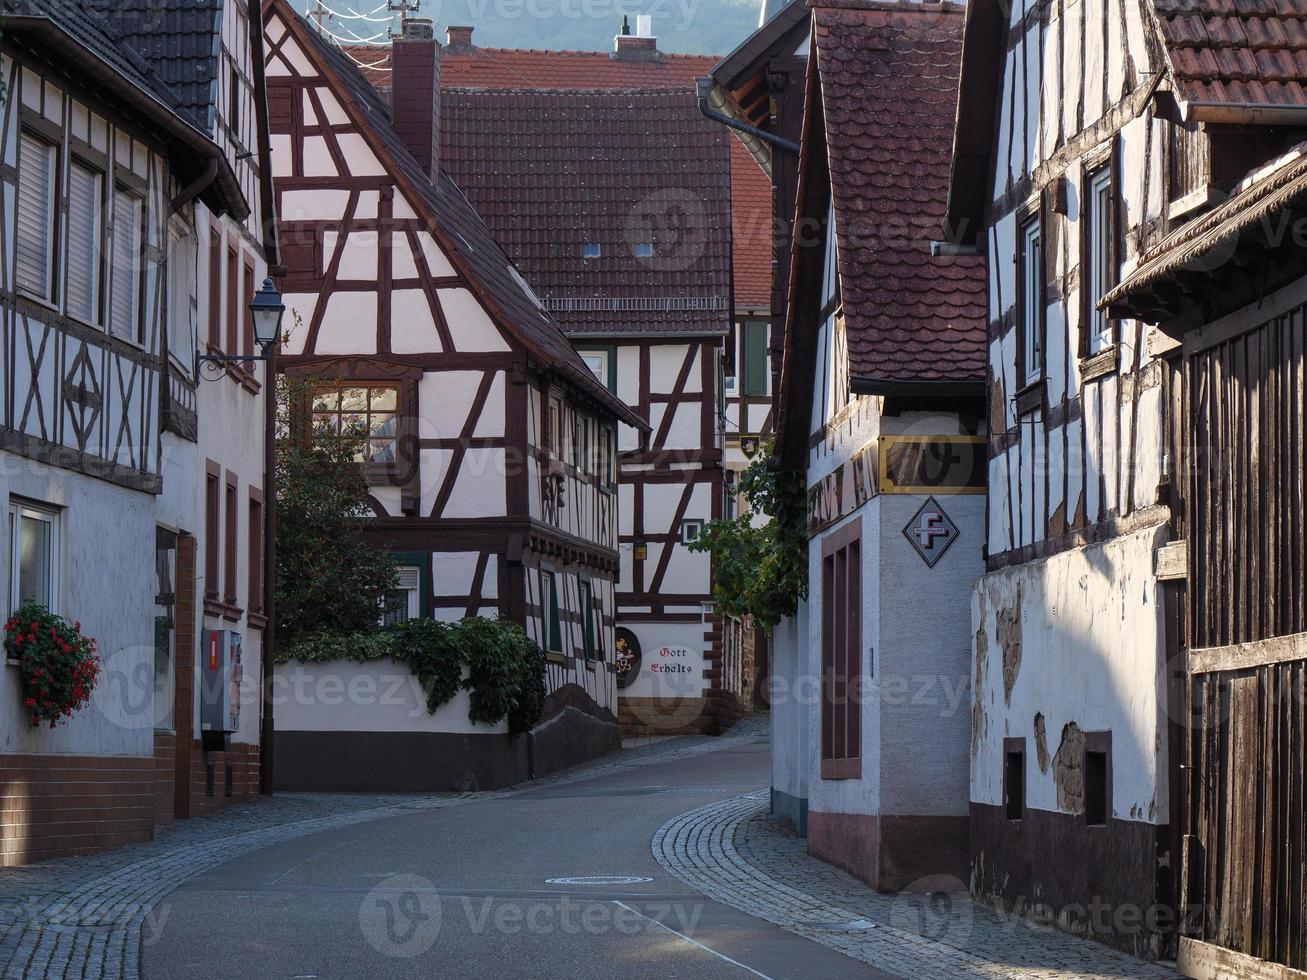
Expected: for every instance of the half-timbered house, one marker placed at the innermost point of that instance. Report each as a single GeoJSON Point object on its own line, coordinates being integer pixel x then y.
{"type": "Point", "coordinates": [882, 410]}
{"type": "Point", "coordinates": [1229, 291]}
{"type": "Point", "coordinates": [740, 397]}
{"type": "Point", "coordinates": [492, 446]}
{"type": "Point", "coordinates": [100, 154]}
{"type": "Point", "coordinates": [211, 536]}
{"type": "Point", "coordinates": [1085, 134]}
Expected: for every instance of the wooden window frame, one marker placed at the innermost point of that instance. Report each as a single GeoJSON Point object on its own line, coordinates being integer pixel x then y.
{"type": "Point", "coordinates": [551, 626]}
{"type": "Point", "coordinates": [216, 251]}
{"type": "Point", "coordinates": [383, 473]}
{"type": "Point", "coordinates": [233, 285]}
{"type": "Point", "coordinates": [247, 334]}
{"type": "Point", "coordinates": [231, 528]}
{"type": "Point", "coordinates": [1031, 381]}
{"type": "Point", "coordinates": [585, 593]}
{"type": "Point", "coordinates": [1102, 164]}
{"type": "Point", "coordinates": [256, 572]}
{"type": "Point", "coordinates": [841, 649]}
{"type": "Point", "coordinates": [743, 385]}
{"type": "Point", "coordinates": [212, 530]}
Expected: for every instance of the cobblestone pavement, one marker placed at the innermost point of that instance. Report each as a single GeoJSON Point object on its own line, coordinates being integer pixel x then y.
{"type": "Point", "coordinates": [82, 917]}
{"type": "Point", "coordinates": [736, 854]}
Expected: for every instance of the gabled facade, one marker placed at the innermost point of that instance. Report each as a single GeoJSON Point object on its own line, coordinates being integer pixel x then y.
{"type": "Point", "coordinates": [106, 169]}
{"type": "Point", "coordinates": [492, 447]}
{"type": "Point", "coordinates": [881, 408]}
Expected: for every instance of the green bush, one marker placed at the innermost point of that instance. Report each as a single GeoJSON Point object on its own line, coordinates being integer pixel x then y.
{"type": "Point", "coordinates": [505, 669]}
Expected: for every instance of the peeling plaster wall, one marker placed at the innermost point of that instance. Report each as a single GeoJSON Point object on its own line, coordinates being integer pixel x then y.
{"type": "Point", "coordinates": [791, 703]}
{"type": "Point", "coordinates": [1090, 628]}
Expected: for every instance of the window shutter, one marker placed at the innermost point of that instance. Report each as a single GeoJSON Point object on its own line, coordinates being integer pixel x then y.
{"type": "Point", "coordinates": [126, 264]}
{"type": "Point", "coordinates": [755, 358]}
{"type": "Point", "coordinates": [83, 243]}
{"type": "Point", "coordinates": [35, 216]}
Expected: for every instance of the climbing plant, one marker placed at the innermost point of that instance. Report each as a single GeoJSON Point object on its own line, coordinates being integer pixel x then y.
{"type": "Point", "coordinates": [760, 558]}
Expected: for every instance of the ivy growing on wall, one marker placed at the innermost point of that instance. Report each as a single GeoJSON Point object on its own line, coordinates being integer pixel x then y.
{"type": "Point", "coordinates": [494, 660]}
{"type": "Point", "coordinates": [760, 559]}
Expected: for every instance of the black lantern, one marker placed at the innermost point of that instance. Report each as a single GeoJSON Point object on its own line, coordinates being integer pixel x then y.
{"type": "Point", "coordinates": [266, 311]}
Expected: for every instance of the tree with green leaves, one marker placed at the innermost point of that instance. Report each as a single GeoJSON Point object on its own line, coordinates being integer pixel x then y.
{"type": "Point", "coordinates": [329, 577]}
{"type": "Point", "coordinates": [760, 568]}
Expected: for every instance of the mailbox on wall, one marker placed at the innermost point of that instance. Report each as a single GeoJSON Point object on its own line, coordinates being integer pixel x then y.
{"type": "Point", "coordinates": [220, 683]}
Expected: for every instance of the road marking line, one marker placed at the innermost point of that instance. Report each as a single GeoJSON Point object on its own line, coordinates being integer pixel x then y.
{"type": "Point", "coordinates": [694, 942]}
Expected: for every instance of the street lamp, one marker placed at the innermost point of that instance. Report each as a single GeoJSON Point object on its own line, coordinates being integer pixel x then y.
{"type": "Point", "coordinates": [266, 310]}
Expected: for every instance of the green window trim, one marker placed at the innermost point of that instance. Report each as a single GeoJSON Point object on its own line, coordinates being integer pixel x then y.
{"type": "Point", "coordinates": [552, 628]}
{"type": "Point", "coordinates": [592, 650]}
{"type": "Point", "coordinates": [422, 560]}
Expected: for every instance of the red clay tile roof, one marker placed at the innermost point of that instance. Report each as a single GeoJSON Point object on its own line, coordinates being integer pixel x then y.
{"type": "Point", "coordinates": [551, 171]}
{"type": "Point", "coordinates": [1237, 52]}
{"type": "Point", "coordinates": [889, 76]}
{"type": "Point", "coordinates": [520, 68]}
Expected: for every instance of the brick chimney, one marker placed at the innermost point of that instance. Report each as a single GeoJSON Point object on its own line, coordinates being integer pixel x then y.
{"type": "Point", "coordinates": [641, 46]}
{"type": "Point", "coordinates": [458, 39]}
{"type": "Point", "coordinates": [415, 91]}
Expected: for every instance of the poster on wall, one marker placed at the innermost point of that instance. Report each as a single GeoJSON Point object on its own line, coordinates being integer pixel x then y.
{"type": "Point", "coordinates": [628, 656]}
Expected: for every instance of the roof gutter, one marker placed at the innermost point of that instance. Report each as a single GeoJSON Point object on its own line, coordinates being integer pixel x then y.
{"type": "Point", "coordinates": [144, 102]}
{"type": "Point", "coordinates": [1244, 114]}
{"type": "Point", "coordinates": [917, 389]}
{"type": "Point", "coordinates": [706, 87]}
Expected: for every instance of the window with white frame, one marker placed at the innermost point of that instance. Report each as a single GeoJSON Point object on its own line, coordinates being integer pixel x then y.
{"type": "Point", "coordinates": [1031, 351]}
{"type": "Point", "coordinates": [33, 555]}
{"type": "Point", "coordinates": [600, 365]}
{"type": "Point", "coordinates": [34, 246]}
{"type": "Point", "coordinates": [126, 289]}
{"type": "Point", "coordinates": [85, 233]}
{"type": "Point", "coordinates": [1100, 258]}
{"type": "Point", "coordinates": [403, 602]}
{"type": "Point", "coordinates": [691, 531]}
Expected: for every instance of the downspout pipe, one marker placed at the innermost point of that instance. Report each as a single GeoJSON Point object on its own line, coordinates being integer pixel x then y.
{"type": "Point", "coordinates": [704, 87]}
{"type": "Point", "coordinates": [196, 187]}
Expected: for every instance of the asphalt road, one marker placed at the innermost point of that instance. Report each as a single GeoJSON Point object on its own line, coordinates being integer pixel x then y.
{"type": "Point", "coordinates": [465, 892]}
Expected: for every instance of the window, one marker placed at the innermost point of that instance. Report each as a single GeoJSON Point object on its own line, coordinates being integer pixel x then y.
{"type": "Point", "coordinates": [233, 281]}
{"type": "Point", "coordinates": [755, 353]}
{"type": "Point", "coordinates": [1098, 778]}
{"type": "Point", "coordinates": [215, 290]}
{"type": "Point", "coordinates": [591, 250]}
{"type": "Point", "coordinates": [1030, 339]}
{"type": "Point", "coordinates": [33, 555]}
{"type": "Point", "coordinates": [34, 241]}
{"type": "Point", "coordinates": [85, 224]}
{"type": "Point", "coordinates": [247, 315]}
{"type": "Point", "coordinates": [841, 653]}
{"type": "Point", "coordinates": [1014, 778]}
{"type": "Point", "coordinates": [581, 445]}
{"type": "Point", "coordinates": [254, 553]}
{"type": "Point", "coordinates": [690, 530]}
{"type": "Point", "coordinates": [234, 105]}
{"type": "Point", "coordinates": [125, 310]}
{"type": "Point", "coordinates": [1100, 267]}
{"type": "Point", "coordinates": [589, 634]}
{"type": "Point", "coordinates": [212, 529]}
{"type": "Point", "coordinates": [229, 567]}
{"type": "Point", "coordinates": [370, 412]}
{"type": "Point", "coordinates": [642, 250]}
{"type": "Point", "coordinates": [552, 629]}
{"type": "Point", "coordinates": [555, 429]}
{"type": "Point", "coordinates": [405, 600]}
{"type": "Point", "coordinates": [600, 364]}
{"type": "Point", "coordinates": [607, 457]}
{"type": "Point", "coordinates": [181, 296]}
{"type": "Point", "coordinates": [728, 357]}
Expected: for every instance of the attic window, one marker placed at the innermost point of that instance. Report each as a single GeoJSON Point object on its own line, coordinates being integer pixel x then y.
{"type": "Point", "coordinates": [642, 250]}
{"type": "Point", "coordinates": [591, 250]}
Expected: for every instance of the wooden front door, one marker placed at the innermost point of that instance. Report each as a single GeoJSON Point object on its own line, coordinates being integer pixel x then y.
{"type": "Point", "coordinates": [1244, 875]}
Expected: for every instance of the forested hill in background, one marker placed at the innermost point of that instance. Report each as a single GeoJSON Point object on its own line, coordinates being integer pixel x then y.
{"type": "Point", "coordinates": [681, 26]}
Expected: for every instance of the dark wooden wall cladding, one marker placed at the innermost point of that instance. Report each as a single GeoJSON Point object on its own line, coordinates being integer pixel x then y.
{"type": "Point", "coordinates": [1245, 857]}
{"type": "Point", "coordinates": [1246, 487]}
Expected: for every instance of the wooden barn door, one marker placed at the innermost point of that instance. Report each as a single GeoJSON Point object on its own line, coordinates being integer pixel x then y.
{"type": "Point", "coordinates": [1244, 875]}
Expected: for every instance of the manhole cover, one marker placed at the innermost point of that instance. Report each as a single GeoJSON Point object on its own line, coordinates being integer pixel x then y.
{"type": "Point", "coordinates": [599, 880]}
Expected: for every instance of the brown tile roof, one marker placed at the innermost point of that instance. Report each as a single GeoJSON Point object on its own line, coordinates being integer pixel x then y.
{"type": "Point", "coordinates": [889, 76]}
{"type": "Point", "coordinates": [462, 232]}
{"type": "Point", "coordinates": [1237, 53]}
{"type": "Point", "coordinates": [520, 68]}
{"type": "Point", "coordinates": [553, 170]}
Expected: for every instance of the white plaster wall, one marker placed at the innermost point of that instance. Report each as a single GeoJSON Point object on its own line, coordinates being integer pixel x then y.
{"type": "Point", "coordinates": [380, 696]}
{"type": "Point", "coordinates": [106, 569]}
{"type": "Point", "coordinates": [1092, 644]}
{"type": "Point", "coordinates": [657, 684]}
{"type": "Point", "coordinates": [790, 706]}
